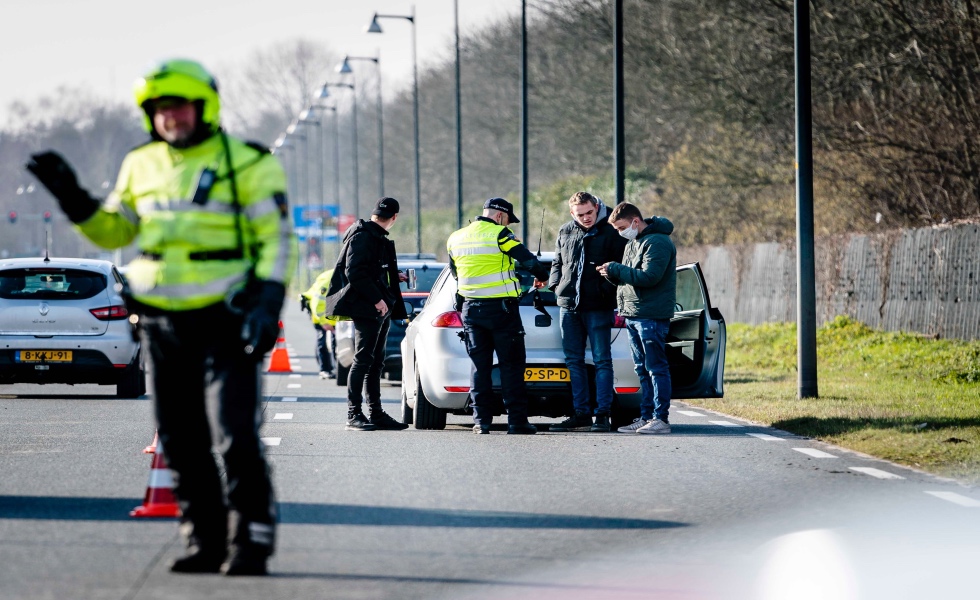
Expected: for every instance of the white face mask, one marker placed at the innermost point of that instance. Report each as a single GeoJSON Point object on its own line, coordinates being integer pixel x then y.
{"type": "Point", "coordinates": [630, 232]}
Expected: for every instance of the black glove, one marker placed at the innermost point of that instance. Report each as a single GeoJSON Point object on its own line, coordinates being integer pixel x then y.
{"type": "Point", "coordinates": [57, 175]}
{"type": "Point", "coordinates": [304, 304]}
{"type": "Point", "coordinates": [261, 328]}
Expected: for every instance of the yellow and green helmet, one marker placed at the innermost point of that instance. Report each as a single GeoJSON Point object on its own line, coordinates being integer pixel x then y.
{"type": "Point", "coordinates": [179, 78]}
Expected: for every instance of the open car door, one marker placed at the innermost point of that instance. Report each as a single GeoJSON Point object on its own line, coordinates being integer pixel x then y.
{"type": "Point", "coordinates": [696, 341]}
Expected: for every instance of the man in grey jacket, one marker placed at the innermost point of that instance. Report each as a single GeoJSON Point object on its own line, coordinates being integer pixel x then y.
{"type": "Point", "coordinates": [587, 304]}
{"type": "Point", "coordinates": [646, 295]}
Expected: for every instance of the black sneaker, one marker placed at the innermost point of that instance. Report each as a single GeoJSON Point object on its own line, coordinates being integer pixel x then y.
{"type": "Point", "coordinates": [199, 561]}
{"type": "Point", "coordinates": [249, 559]}
{"type": "Point", "coordinates": [579, 422]}
{"type": "Point", "coordinates": [601, 424]}
{"type": "Point", "coordinates": [358, 422]}
{"type": "Point", "coordinates": [381, 420]}
{"type": "Point", "coordinates": [522, 429]}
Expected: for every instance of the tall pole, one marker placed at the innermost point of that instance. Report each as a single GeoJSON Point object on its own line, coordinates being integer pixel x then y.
{"type": "Point", "coordinates": [524, 184]}
{"type": "Point", "coordinates": [336, 171]}
{"type": "Point", "coordinates": [357, 190]}
{"type": "Point", "coordinates": [806, 311]}
{"type": "Point", "coordinates": [415, 108]}
{"type": "Point", "coordinates": [381, 132]}
{"type": "Point", "coordinates": [459, 128]}
{"type": "Point", "coordinates": [619, 105]}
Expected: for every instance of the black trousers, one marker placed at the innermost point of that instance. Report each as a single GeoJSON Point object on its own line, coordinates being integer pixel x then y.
{"type": "Point", "coordinates": [199, 367]}
{"type": "Point", "coordinates": [370, 338]}
{"type": "Point", "coordinates": [495, 325]}
{"type": "Point", "coordinates": [324, 351]}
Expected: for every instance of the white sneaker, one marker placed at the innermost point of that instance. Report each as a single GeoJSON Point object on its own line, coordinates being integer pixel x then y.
{"type": "Point", "coordinates": [324, 375]}
{"type": "Point", "coordinates": [654, 426]}
{"type": "Point", "coordinates": [632, 427]}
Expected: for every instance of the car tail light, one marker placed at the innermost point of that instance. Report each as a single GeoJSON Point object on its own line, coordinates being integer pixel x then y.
{"type": "Point", "coordinates": [457, 388]}
{"type": "Point", "coordinates": [619, 322]}
{"type": "Point", "coordinates": [451, 320]}
{"type": "Point", "coordinates": [627, 390]}
{"type": "Point", "coordinates": [110, 313]}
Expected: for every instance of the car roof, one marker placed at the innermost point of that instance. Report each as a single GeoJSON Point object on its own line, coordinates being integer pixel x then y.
{"type": "Point", "coordinates": [104, 266]}
{"type": "Point", "coordinates": [418, 264]}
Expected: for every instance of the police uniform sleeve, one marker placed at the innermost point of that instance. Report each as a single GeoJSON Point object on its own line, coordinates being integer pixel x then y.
{"type": "Point", "coordinates": [509, 245]}
{"type": "Point", "coordinates": [263, 196]}
{"type": "Point", "coordinates": [115, 224]}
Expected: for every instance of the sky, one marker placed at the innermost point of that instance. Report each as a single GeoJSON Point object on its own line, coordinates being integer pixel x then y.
{"type": "Point", "coordinates": [104, 45]}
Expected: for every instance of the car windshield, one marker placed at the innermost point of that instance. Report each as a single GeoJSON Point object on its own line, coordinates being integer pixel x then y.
{"type": "Point", "coordinates": [50, 284]}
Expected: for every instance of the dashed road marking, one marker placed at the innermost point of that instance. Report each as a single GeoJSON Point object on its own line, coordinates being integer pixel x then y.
{"type": "Point", "coordinates": [290, 399]}
{"type": "Point", "coordinates": [815, 453]}
{"type": "Point", "coordinates": [876, 472]}
{"type": "Point", "coordinates": [956, 499]}
{"type": "Point", "coordinates": [271, 441]}
{"type": "Point", "coordinates": [767, 437]}
{"type": "Point", "coordinates": [691, 413]}
{"type": "Point", "coordinates": [283, 416]}
{"type": "Point", "coordinates": [294, 385]}
{"type": "Point", "coordinates": [726, 424]}
{"type": "Point", "coordinates": [295, 376]}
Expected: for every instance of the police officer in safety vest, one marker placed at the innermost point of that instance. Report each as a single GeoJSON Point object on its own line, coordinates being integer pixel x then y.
{"type": "Point", "coordinates": [483, 258]}
{"type": "Point", "coordinates": [209, 215]}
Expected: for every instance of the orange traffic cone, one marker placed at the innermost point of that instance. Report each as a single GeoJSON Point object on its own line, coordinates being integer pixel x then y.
{"type": "Point", "coordinates": [159, 500]}
{"type": "Point", "coordinates": [279, 363]}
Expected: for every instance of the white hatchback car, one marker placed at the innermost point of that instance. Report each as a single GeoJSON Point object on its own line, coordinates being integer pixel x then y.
{"type": "Point", "coordinates": [63, 320]}
{"type": "Point", "coordinates": [436, 368]}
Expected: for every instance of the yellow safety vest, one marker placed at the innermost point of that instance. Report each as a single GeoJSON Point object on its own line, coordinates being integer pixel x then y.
{"type": "Point", "coordinates": [482, 268]}
{"type": "Point", "coordinates": [316, 296]}
{"type": "Point", "coordinates": [152, 204]}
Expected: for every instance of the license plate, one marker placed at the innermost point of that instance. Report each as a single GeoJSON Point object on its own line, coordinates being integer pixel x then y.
{"type": "Point", "coordinates": [546, 374]}
{"type": "Point", "coordinates": [33, 356]}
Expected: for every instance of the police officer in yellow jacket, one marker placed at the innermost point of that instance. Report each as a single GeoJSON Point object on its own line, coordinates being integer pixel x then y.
{"type": "Point", "coordinates": [314, 301]}
{"type": "Point", "coordinates": [209, 215]}
{"type": "Point", "coordinates": [483, 257]}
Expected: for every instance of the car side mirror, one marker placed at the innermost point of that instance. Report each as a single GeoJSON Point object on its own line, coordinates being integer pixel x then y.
{"type": "Point", "coordinates": [413, 282]}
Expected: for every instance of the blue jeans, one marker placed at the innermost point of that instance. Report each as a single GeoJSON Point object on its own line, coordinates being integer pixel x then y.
{"type": "Point", "coordinates": [596, 326]}
{"type": "Point", "coordinates": [648, 338]}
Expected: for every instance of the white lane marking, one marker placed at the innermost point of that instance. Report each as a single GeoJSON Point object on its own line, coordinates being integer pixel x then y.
{"type": "Point", "coordinates": [295, 376]}
{"type": "Point", "coordinates": [691, 413]}
{"type": "Point", "coordinates": [814, 453]}
{"type": "Point", "coordinates": [294, 385]}
{"type": "Point", "coordinates": [283, 416]}
{"type": "Point", "coordinates": [876, 472]}
{"type": "Point", "coordinates": [956, 499]}
{"type": "Point", "coordinates": [271, 441]}
{"type": "Point", "coordinates": [767, 437]}
{"type": "Point", "coordinates": [289, 399]}
{"type": "Point", "coordinates": [726, 424]}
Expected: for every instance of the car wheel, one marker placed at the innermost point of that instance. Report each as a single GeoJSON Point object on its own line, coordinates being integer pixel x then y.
{"type": "Point", "coordinates": [426, 415]}
{"type": "Point", "coordinates": [408, 415]}
{"type": "Point", "coordinates": [133, 382]}
{"type": "Point", "coordinates": [342, 374]}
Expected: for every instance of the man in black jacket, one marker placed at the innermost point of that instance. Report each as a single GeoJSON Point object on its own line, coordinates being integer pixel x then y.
{"type": "Point", "coordinates": [587, 302]}
{"type": "Point", "coordinates": [365, 288]}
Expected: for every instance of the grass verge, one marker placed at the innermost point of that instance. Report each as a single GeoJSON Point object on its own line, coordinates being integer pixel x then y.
{"type": "Point", "coordinates": [904, 397]}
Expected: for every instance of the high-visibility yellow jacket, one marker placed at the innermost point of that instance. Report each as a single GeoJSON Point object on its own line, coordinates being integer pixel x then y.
{"type": "Point", "coordinates": [316, 297]}
{"type": "Point", "coordinates": [482, 267]}
{"type": "Point", "coordinates": [193, 252]}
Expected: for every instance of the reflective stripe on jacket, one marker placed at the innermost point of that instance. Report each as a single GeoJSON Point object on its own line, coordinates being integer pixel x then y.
{"type": "Point", "coordinates": [482, 268]}
{"type": "Point", "coordinates": [316, 296]}
{"type": "Point", "coordinates": [192, 256]}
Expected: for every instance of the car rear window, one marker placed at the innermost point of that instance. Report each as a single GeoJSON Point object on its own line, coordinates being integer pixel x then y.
{"type": "Point", "coordinates": [543, 295]}
{"type": "Point", "coordinates": [50, 284]}
{"type": "Point", "coordinates": [425, 276]}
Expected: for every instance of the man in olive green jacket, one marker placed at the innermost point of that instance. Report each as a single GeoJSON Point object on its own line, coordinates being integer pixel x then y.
{"type": "Point", "coordinates": [646, 292]}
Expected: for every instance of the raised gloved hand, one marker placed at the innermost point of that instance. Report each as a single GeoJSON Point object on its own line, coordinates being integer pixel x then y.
{"type": "Point", "coordinates": [304, 304]}
{"type": "Point", "coordinates": [57, 175]}
{"type": "Point", "coordinates": [261, 327]}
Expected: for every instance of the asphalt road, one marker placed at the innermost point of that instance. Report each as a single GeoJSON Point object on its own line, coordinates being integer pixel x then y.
{"type": "Point", "coordinates": [720, 508]}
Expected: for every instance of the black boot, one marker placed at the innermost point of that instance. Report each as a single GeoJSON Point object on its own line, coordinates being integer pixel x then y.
{"type": "Point", "coordinates": [601, 424]}
{"type": "Point", "coordinates": [201, 558]}
{"type": "Point", "coordinates": [247, 559]}
{"type": "Point", "coordinates": [578, 422]}
{"type": "Point", "coordinates": [356, 421]}
{"type": "Point", "coordinates": [381, 420]}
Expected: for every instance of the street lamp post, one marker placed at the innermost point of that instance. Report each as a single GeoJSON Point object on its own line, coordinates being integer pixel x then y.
{"type": "Point", "coordinates": [344, 69]}
{"type": "Point", "coordinates": [324, 93]}
{"type": "Point", "coordinates": [308, 117]}
{"type": "Point", "coordinates": [459, 127]}
{"type": "Point", "coordinates": [524, 170]}
{"type": "Point", "coordinates": [302, 189]}
{"type": "Point", "coordinates": [374, 27]}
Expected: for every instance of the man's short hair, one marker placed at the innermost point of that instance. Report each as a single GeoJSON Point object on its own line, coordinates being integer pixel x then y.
{"type": "Point", "coordinates": [581, 198]}
{"type": "Point", "coordinates": [625, 210]}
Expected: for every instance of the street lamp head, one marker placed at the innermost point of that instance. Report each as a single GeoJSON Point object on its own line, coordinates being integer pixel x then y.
{"type": "Point", "coordinates": [344, 67]}
{"type": "Point", "coordinates": [292, 128]}
{"type": "Point", "coordinates": [322, 92]}
{"type": "Point", "coordinates": [374, 27]}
